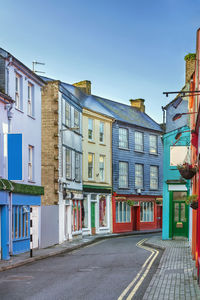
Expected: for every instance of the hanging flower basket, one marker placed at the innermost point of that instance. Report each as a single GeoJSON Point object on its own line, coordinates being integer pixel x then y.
{"type": "Point", "coordinates": [194, 205]}
{"type": "Point", "coordinates": [187, 171]}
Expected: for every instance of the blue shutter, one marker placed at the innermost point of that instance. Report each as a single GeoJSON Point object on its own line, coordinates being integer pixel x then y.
{"type": "Point", "coordinates": [14, 156]}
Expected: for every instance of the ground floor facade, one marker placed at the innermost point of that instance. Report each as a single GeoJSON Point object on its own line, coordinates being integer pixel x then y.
{"type": "Point", "coordinates": [96, 210]}
{"type": "Point", "coordinates": [136, 212]}
{"type": "Point", "coordinates": [15, 218]}
{"type": "Point", "coordinates": [175, 210]}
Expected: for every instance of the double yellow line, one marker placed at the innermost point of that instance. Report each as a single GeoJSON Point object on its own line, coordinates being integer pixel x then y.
{"type": "Point", "coordinates": [142, 274]}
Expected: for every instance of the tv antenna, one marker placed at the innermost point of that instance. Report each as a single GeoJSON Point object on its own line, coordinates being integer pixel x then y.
{"type": "Point", "coordinates": [37, 63]}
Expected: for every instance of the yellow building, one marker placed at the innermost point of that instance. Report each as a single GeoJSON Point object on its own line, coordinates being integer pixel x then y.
{"type": "Point", "coordinates": [97, 172]}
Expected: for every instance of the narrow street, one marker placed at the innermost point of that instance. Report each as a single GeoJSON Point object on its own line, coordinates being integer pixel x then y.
{"type": "Point", "coordinates": [99, 271]}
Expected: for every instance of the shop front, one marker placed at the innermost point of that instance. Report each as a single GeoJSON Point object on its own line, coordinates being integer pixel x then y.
{"type": "Point", "coordinates": [132, 213]}
{"type": "Point", "coordinates": [96, 213]}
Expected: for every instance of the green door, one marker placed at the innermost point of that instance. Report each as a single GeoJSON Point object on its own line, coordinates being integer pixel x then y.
{"type": "Point", "coordinates": [92, 214]}
{"type": "Point", "coordinates": [179, 214]}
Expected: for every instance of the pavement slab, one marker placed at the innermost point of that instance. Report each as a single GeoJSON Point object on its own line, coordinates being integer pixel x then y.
{"type": "Point", "coordinates": [174, 277]}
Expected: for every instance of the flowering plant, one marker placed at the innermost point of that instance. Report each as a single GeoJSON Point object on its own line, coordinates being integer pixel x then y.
{"type": "Point", "coordinates": [187, 170]}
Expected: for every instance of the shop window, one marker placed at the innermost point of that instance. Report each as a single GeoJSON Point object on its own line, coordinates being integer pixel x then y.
{"type": "Point", "coordinates": [146, 211]}
{"type": "Point", "coordinates": [76, 216]}
{"type": "Point", "coordinates": [123, 212]}
{"type": "Point", "coordinates": [85, 212]}
{"type": "Point", "coordinates": [102, 212]}
{"type": "Point", "coordinates": [20, 222]}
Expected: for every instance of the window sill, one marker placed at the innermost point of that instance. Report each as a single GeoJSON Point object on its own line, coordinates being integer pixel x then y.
{"type": "Point", "coordinates": [154, 189]}
{"type": "Point", "coordinates": [102, 144]}
{"type": "Point", "coordinates": [31, 181]}
{"type": "Point", "coordinates": [32, 117]}
{"type": "Point", "coordinates": [126, 149]}
{"type": "Point", "coordinates": [91, 141]}
{"type": "Point", "coordinates": [91, 180]}
{"type": "Point", "coordinates": [139, 151]}
{"type": "Point", "coordinates": [156, 154]}
{"type": "Point", "coordinates": [125, 188]}
{"type": "Point", "coordinates": [18, 109]}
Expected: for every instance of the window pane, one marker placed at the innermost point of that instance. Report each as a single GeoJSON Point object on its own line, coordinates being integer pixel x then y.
{"type": "Point", "coordinates": [139, 141]}
{"type": "Point", "coordinates": [123, 137]}
{"type": "Point", "coordinates": [153, 144]}
{"type": "Point", "coordinates": [116, 211]}
{"type": "Point", "coordinates": [123, 174]}
{"type": "Point", "coordinates": [67, 114]}
{"type": "Point", "coordinates": [101, 167]}
{"type": "Point", "coordinates": [102, 212]}
{"type": "Point", "coordinates": [90, 129]}
{"type": "Point", "coordinates": [154, 177]}
{"type": "Point", "coordinates": [128, 209]}
{"type": "Point", "coordinates": [85, 213]}
{"type": "Point", "coordinates": [77, 120]}
{"type": "Point", "coordinates": [90, 166]}
{"type": "Point", "coordinates": [77, 166]}
{"type": "Point", "coordinates": [146, 211]}
{"type": "Point", "coordinates": [101, 132]}
{"type": "Point", "coordinates": [68, 163]}
{"type": "Point", "coordinates": [139, 176]}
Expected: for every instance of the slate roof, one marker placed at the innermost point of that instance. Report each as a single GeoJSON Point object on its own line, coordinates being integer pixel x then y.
{"type": "Point", "coordinates": [119, 111]}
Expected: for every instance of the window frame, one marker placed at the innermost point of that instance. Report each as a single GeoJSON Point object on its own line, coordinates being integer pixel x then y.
{"type": "Point", "coordinates": [101, 132]}
{"type": "Point", "coordinates": [140, 176]}
{"type": "Point", "coordinates": [153, 188]}
{"type": "Point", "coordinates": [77, 168]}
{"type": "Point", "coordinates": [102, 179]}
{"type": "Point", "coordinates": [92, 129]}
{"type": "Point", "coordinates": [139, 133]}
{"type": "Point", "coordinates": [30, 102]}
{"type": "Point", "coordinates": [18, 91]}
{"type": "Point", "coordinates": [123, 175]}
{"type": "Point", "coordinates": [153, 147]}
{"type": "Point", "coordinates": [77, 124]}
{"type": "Point", "coordinates": [68, 165]}
{"type": "Point", "coordinates": [30, 163]}
{"type": "Point", "coordinates": [69, 119]}
{"type": "Point", "coordinates": [92, 154]}
{"type": "Point", "coordinates": [121, 146]}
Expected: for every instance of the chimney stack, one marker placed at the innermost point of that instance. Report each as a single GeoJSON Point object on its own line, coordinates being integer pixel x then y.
{"type": "Point", "coordinates": [84, 85]}
{"type": "Point", "coordinates": [190, 61]}
{"type": "Point", "coordinates": [138, 103]}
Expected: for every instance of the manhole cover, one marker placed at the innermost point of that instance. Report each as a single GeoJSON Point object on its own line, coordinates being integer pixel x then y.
{"type": "Point", "coordinates": [18, 278]}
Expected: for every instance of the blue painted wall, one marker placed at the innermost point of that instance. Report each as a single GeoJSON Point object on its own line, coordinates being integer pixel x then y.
{"type": "Point", "coordinates": [171, 172]}
{"type": "Point", "coordinates": [132, 157]}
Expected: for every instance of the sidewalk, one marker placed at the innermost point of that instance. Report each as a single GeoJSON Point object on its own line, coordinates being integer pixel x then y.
{"type": "Point", "coordinates": [174, 278]}
{"type": "Point", "coordinates": [38, 254]}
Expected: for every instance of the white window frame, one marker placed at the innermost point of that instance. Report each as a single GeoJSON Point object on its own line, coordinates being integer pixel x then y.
{"type": "Point", "coordinates": [30, 100]}
{"type": "Point", "coordinates": [77, 120]}
{"type": "Point", "coordinates": [67, 114]}
{"type": "Point", "coordinates": [68, 164]}
{"type": "Point", "coordinates": [90, 134]}
{"type": "Point", "coordinates": [146, 215]}
{"type": "Point", "coordinates": [77, 167]}
{"type": "Point", "coordinates": [153, 144]}
{"type": "Point", "coordinates": [101, 132]}
{"type": "Point", "coordinates": [139, 141]}
{"type": "Point", "coordinates": [18, 91]}
{"type": "Point", "coordinates": [139, 168]}
{"type": "Point", "coordinates": [154, 178]}
{"type": "Point", "coordinates": [92, 166]}
{"type": "Point", "coordinates": [123, 175]}
{"type": "Point", "coordinates": [102, 178]}
{"type": "Point", "coordinates": [30, 162]}
{"type": "Point", "coordinates": [123, 138]}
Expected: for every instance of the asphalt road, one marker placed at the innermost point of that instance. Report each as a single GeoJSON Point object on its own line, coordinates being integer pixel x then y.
{"type": "Point", "coordinates": [99, 271]}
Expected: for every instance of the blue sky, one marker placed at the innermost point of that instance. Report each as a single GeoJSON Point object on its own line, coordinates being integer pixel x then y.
{"type": "Point", "coordinates": [126, 48]}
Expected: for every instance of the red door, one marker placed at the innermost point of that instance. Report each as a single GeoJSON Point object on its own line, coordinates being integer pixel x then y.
{"type": "Point", "coordinates": [159, 216]}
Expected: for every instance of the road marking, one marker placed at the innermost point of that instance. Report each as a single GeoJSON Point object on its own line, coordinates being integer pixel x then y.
{"type": "Point", "coordinates": [154, 253]}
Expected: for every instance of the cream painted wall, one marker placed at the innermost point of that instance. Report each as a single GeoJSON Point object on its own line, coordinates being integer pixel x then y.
{"type": "Point", "coordinates": [97, 148]}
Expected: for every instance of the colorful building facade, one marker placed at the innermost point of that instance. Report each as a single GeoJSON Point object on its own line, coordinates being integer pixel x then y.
{"type": "Point", "coordinates": [20, 155]}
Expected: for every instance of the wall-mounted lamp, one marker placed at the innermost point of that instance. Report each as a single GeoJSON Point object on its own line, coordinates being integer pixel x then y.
{"type": "Point", "coordinates": [178, 116]}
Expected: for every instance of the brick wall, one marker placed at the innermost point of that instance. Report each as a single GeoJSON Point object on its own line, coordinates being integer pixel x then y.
{"type": "Point", "coordinates": [50, 143]}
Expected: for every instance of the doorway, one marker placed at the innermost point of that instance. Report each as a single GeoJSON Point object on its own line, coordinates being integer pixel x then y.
{"type": "Point", "coordinates": [179, 214]}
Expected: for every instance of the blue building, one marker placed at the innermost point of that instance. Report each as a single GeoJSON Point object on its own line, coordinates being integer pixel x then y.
{"type": "Point", "coordinates": [175, 188]}
{"type": "Point", "coordinates": [20, 155]}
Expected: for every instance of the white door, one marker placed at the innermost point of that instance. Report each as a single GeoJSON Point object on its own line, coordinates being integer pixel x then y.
{"type": "Point", "coordinates": [35, 218]}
